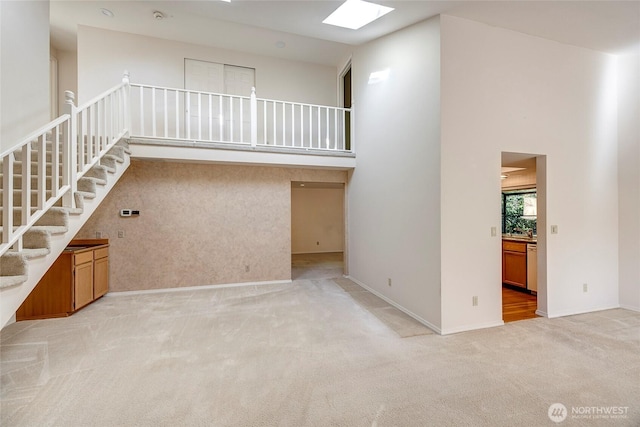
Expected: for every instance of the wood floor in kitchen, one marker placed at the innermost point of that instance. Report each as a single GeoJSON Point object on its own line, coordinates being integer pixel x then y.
{"type": "Point", "coordinates": [518, 305]}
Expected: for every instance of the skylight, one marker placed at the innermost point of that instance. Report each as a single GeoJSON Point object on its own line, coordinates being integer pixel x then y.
{"type": "Point", "coordinates": [354, 14]}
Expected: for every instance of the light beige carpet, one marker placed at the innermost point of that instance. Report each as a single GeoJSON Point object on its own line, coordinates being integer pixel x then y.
{"type": "Point", "coordinates": [402, 324]}
{"type": "Point", "coordinates": [317, 266]}
{"type": "Point", "coordinates": [306, 354]}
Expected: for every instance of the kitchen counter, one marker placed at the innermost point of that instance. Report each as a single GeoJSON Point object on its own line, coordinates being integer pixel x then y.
{"type": "Point", "coordinates": [520, 238]}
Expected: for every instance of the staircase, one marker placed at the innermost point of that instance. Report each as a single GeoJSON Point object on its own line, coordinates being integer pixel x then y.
{"type": "Point", "coordinates": [51, 184]}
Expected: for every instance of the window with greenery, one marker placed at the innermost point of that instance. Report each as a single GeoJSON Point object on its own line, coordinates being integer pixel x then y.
{"type": "Point", "coordinates": [514, 218]}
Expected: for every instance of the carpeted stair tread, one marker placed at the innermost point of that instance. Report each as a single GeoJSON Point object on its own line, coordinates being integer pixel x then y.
{"type": "Point", "coordinates": [98, 172]}
{"type": "Point", "coordinates": [117, 151]}
{"type": "Point", "coordinates": [54, 216]}
{"type": "Point", "coordinates": [36, 239]}
{"type": "Point", "coordinates": [75, 211]}
{"type": "Point", "coordinates": [87, 185]}
{"type": "Point", "coordinates": [125, 144]}
{"type": "Point", "coordinates": [13, 264]}
{"type": "Point", "coordinates": [35, 252]}
{"type": "Point", "coordinates": [97, 181]}
{"type": "Point", "coordinates": [9, 281]}
{"type": "Point", "coordinates": [109, 162]}
{"type": "Point", "coordinates": [86, 194]}
{"type": "Point", "coordinates": [53, 229]}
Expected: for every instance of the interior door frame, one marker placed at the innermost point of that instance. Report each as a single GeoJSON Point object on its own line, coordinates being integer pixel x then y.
{"type": "Point", "coordinates": [347, 69]}
{"type": "Point", "coordinates": [542, 294]}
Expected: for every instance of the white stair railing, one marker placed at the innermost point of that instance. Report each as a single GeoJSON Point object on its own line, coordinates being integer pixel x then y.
{"type": "Point", "coordinates": [48, 188]}
{"type": "Point", "coordinates": [187, 115]}
{"type": "Point", "coordinates": [65, 149]}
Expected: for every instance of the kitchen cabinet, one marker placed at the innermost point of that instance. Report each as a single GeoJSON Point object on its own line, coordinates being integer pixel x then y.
{"type": "Point", "coordinates": [514, 263]}
{"type": "Point", "coordinates": [78, 277]}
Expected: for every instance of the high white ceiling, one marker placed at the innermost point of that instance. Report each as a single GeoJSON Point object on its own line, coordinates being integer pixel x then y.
{"type": "Point", "coordinates": [257, 26]}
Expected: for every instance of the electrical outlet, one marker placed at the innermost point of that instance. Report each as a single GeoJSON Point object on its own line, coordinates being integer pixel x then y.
{"type": "Point", "coordinates": [494, 231]}
{"type": "Point", "coordinates": [247, 268]}
{"type": "Point", "coordinates": [389, 281]}
{"type": "Point", "coordinates": [98, 234]}
{"type": "Point", "coordinates": [474, 300]}
{"type": "Point", "coordinates": [585, 287]}
{"type": "Point", "coordinates": [120, 234]}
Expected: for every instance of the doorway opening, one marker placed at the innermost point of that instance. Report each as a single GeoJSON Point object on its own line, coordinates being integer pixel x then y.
{"type": "Point", "coordinates": [347, 102]}
{"type": "Point", "coordinates": [523, 195]}
{"type": "Point", "coordinates": [317, 230]}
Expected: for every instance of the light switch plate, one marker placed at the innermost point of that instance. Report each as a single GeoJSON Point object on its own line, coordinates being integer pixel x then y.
{"type": "Point", "coordinates": [494, 231]}
{"type": "Point", "coordinates": [554, 229]}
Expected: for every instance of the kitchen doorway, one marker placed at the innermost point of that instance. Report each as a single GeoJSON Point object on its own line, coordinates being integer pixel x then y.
{"type": "Point", "coordinates": [523, 210]}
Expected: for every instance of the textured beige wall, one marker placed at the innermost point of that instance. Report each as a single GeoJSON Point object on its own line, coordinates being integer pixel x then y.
{"type": "Point", "coordinates": [317, 220]}
{"type": "Point", "coordinates": [200, 224]}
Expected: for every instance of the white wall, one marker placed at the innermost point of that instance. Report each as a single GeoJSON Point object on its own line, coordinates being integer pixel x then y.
{"type": "Point", "coordinates": [24, 67]}
{"type": "Point", "coordinates": [629, 179]}
{"type": "Point", "coordinates": [67, 75]}
{"type": "Point", "coordinates": [317, 220]}
{"type": "Point", "coordinates": [394, 192]}
{"type": "Point", "coordinates": [103, 56]}
{"type": "Point", "coordinates": [507, 91]}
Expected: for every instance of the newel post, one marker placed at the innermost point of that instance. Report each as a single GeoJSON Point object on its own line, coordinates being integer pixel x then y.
{"type": "Point", "coordinates": [70, 151]}
{"type": "Point", "coordinates": [254, 118]}
{"type": "Point", "coordinates": [126, 108]}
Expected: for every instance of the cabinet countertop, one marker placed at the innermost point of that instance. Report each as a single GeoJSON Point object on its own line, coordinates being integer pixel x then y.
{"type": "Point", "coordinates": [86, 244]}
{"type": "Point", "coordinates": [532, 240]}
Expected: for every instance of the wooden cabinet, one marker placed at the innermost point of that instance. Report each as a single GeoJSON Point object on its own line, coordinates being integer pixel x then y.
{"type": "Point", "coordinates": [100, 272]}
{"type": "Point", "coordinates": [514, 263]}
{"type": "Point", "coordinates": [78, 277]}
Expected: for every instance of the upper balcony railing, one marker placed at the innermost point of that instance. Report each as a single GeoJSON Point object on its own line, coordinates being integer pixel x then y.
{"type": "Point", "coordinates": [46, 166]}
{"type": "Point", "coordinates": [177, 114]}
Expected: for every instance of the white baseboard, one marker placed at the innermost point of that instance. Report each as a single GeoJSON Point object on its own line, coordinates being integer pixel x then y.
{"type": "Point", "coordinates": [473, 327]}
{"type": "Point", "coordinates": [396, 305]}
{"type": "Point", "coordinates": [630, 307]}
{"type": "Point", "coordinates": [574, 312]}
{"type": "Point", "coordinates": [542, 313]}
{"type": "Point", "coordinates": [198, 288]}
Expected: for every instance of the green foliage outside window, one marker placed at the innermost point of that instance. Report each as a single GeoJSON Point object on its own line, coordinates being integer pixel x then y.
{"type": "Point", "coordinates": [512, 211]}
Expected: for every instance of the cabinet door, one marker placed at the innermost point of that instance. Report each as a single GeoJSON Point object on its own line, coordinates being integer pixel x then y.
{"type": "Point", "coordinates": [100, 277]}
{"type": "Point", "coordinates": [83, 284]}
{"type": "Point", "coordinates": [514, 268]}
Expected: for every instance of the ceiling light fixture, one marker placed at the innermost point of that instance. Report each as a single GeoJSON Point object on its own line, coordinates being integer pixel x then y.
{"type": "Point", "coordinates": [280, 44]}
{"type": "Point", "coordinates": [107, 12]}
{"type": "Point", "coordinates": [159, 16]}
{"type": "Point", "coordinates": [355, 14]}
